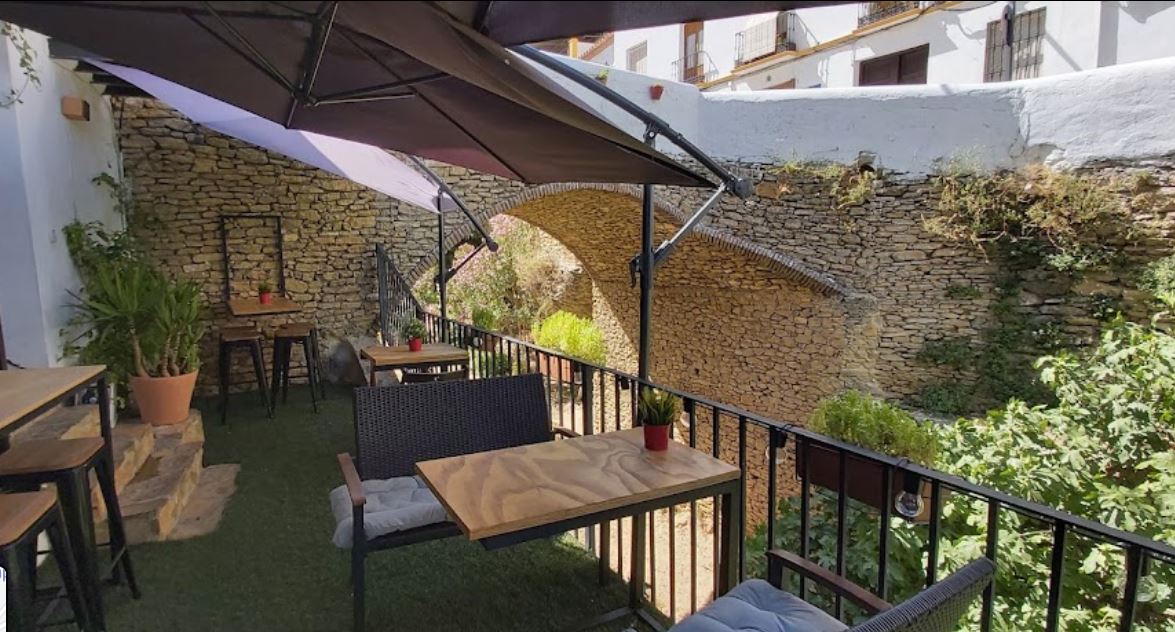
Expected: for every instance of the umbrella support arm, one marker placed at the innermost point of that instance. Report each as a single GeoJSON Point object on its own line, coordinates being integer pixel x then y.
{"type": "Point", "coordinates": [451, 272]}
{"type": "Point", "coordinates": [739, 186]}
{"type": "Point", "coordinates": [666, 248]}
{"type": "Point", "coordinates": [485, 235]}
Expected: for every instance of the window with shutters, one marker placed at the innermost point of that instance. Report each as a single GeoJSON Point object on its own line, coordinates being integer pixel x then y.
{"type": "Point", "coordinates": [637, 57]}
{"type": "Point", "coordinates": [1018, 54]}
{"type": "Point", "coordinates": [905, 67]}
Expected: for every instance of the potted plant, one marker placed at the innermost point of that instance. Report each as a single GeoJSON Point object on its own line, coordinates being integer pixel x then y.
{"type": "Point", "coordinates": [863, 420]}
{"type": "Point", "coordinates": [413, 332]}
{"type": "Point", "coordinates": [656, 90]}
{"type": "Point", "coordinates": [602, 76]}
{"type": "Point", "coordinates": [151, 328]}
{"type": "Point", "coordinates": [656, 412]}
{"type": "Point", "coordinates": [569, 335]}
{"type": "Point", "coordinates": [265, 292]}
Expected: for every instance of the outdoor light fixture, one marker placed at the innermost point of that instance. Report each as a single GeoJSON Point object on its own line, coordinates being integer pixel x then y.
{"type": "Point", "coordinates": [908, 503]}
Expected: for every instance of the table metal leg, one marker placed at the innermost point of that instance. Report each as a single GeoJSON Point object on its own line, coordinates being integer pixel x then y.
{"type": "Point", "coordinates": [728, 575]}
{"type": "Point", "coordinates": [636, 585]}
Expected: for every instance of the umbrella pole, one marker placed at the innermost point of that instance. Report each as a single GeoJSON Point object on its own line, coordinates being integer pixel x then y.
{"type": "Point", "coordinates": [646, 270]}
{"type": "Point", "coordinates": [443, 269]}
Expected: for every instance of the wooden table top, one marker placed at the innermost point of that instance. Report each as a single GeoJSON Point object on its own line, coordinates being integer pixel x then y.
{"type": "Point", "coordinates": [244, 307]}
{"type": "Point", "coordinates": [503, 491]}
{"type": "Point", "coordinates": [400, 355]}
{"type": "Point", "coordinates": [23, 391]}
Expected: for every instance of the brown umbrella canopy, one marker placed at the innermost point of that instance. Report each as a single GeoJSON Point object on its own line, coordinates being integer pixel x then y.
{"type": "Point", "coordinates": [518, 22]}
{"type": "Point", "coordinates": [404, 76]}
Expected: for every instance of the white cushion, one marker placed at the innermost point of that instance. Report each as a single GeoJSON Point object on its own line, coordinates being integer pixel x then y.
{"type": "Point", "coordinates": [395, 504]}
{"type": "Point", "coordinates": [756, 606]}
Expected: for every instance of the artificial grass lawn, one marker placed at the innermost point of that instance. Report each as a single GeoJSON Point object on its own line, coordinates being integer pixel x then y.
{"type": "Point", "coordinates": [271, 565]}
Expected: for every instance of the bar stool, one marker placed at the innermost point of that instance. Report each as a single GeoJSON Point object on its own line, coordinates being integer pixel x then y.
{"type": "Point", "coordinates": [66, 464]}
{"type": "Point", "coordinates": [284, 339]}
{"type": "Point", "coordinates": [24, 517]}
{"type": "Point", "coordinates": [232, 338]}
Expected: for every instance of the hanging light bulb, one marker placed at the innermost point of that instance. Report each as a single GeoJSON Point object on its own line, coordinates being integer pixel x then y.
{"type": "Point", "coordinates": [908, 503]}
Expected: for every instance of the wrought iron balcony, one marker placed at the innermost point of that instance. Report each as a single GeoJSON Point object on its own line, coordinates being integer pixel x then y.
{"type": "Point", "coordinates": [766, 38]}
{"type": "Point", "coordinates": [695, 68]}
{"type": "Point", "coordinates": [871, 12]}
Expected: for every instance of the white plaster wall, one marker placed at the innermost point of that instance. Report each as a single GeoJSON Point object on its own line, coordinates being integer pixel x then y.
{"type": "Point", "coordinates": [664, 47]}
{"type": "Point", "coordinates": [1124, 112]}
{"type": "Point", "coordinates": [1135, 31]}
{"type": "Point", "coordinates": [816, 26]}
{"type": "Point", "coordinates": [48, 163]}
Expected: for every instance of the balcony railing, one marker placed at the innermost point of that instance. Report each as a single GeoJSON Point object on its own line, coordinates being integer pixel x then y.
{"type": "Point", "coordinates": [695, 68]}
{"type": "Point", "coordinates": [871, 12]}
{"type": "Point", "coordinates": [766, 38]}
{"type": "Point", "coordinates": [592, 399]}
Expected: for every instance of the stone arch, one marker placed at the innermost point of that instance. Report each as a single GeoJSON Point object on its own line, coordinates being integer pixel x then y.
{"type": "Point", "coordinates": [785, 265]}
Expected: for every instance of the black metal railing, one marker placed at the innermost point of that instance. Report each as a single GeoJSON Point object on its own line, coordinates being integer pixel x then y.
{"type": "Point", "coordinates": [766, 38]}
{"type": "Point", "coordinates": [871, 12]}
{"type": "Point", "coordinates": [696, 67]}
{"type": "Point", "coordinates": [683, 541]}
{"type": "Point", "coordinates": [396, 301]}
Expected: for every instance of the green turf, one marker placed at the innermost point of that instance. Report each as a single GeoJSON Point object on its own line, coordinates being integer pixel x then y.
{"type": "Point", "coordinates": [271, 564]}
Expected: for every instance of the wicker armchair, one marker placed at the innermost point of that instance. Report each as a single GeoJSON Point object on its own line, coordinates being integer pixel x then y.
{"type": "Point", "coordinates": [397, 426]}
{"type": "Point", "coordinates": [936, 609]}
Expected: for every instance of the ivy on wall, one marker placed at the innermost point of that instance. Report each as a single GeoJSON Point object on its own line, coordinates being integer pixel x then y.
{"type": "Point", "coordinates": [26, 60]}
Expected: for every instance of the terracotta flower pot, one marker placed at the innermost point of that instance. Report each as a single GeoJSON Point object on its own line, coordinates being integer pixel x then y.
{"type": "Point", "coordinates": [164, 401]}
{"type": "Point", "coordinates": [415, 344]}
{"type": "Point", "coordinates": [656, 437]}
{"type": "Point", "coordinates": [655, 91]}
{"type": "Point", "coordinates": [266, 298]}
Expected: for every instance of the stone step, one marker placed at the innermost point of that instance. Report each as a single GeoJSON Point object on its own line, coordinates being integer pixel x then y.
{"type": "Point", "coordinates": [206, 507]}
{"type": "Point", "coordinates": [153, 501]}
{"type": "Point", "coordinates": [190, 430]}
{"type": "Point", "coordinates": [63, 422]}
{"type": "Point", "coordinates": [134, 443]}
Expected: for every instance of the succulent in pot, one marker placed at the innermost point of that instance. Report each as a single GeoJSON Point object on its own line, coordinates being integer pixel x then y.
{"type": "Point", "coordinates": [147, 327]}
{"type": "Point", "coordinates": [413, 332]}
{"type": "Point", "coordinates": [265, 293]}
{"type": "Point", "coordinates": [656, 412]}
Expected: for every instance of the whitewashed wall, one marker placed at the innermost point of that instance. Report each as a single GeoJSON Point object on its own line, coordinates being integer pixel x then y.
{"type": "Point", "coordinates": [46, 166]}
{"type": "Point", "coordinates": [1124, 112]}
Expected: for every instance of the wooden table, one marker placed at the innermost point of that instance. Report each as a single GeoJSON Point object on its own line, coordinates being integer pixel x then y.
{"type": "Point", "coordinates": [399, 357]}
{"type": "Point", "coordinates": [250, 307]}
{"type": "Point", "coordinates": [27, 393]}
{"type": "Point", "coordinates": [504, 497]}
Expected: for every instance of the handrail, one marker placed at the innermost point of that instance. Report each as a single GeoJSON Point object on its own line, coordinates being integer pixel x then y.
{"type": "Point", "coordinates": [1156, 549]}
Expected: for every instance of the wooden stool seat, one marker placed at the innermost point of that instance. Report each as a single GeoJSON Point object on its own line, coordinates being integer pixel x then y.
{"type": "Point", "coordinates": [19, 512]}
{"type": "Point", "coordinates": [293, 330]}
{"type": "Point", "coordinates": [239, 334]}
{"type": "Point", "coordinates": [49, 455]}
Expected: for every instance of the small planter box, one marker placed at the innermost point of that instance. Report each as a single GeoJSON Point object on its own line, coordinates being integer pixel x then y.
{"type": "Point", "coordinates": [863, 478]}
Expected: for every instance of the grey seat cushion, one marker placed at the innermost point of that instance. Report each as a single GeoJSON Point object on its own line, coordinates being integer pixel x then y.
{"type": "Point", "coordinates": [394, 504]}
{"type": "Point", "coordinates": [756, 606]}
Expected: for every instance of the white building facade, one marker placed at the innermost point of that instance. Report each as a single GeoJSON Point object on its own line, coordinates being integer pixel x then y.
{"type": "Point", "coordinates": [887, 43]}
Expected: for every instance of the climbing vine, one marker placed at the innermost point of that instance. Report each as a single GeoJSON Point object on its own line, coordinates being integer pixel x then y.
{"type": "Point", "coordinates": [26, 59]}
{"type": "Point", "coordinates": [845, 185]}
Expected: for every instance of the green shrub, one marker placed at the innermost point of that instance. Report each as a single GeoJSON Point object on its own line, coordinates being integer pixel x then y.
{"type": "Point", "coordinates": [962, 291]}
{"type": "Point", "coordinates": [956, 353]}
{"type": "Point", "coordinates": [484, 318]}
{"type": "Point", "coordinates": [573, 336]}
{"type": "Point", "coordinates": [946, 398]}
{"type": "Point", "coordinates": [1158, 278]}
{"type": "Point", "coordinates": [877, 425]}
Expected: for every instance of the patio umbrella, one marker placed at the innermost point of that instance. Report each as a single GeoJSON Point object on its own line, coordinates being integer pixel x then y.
{"type": "Point", "coordinates": [364, 164]}
{"type": "Point", "coordinates": [519, 22]}
{"type": "Point", "coordinates": [404, 75]}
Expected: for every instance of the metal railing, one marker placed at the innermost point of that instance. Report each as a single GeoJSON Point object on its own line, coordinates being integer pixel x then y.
{"type": "Point", "coordinates": [587, 398]}
{"type": "Point", "coordinates": [397, 304]}
{"type": "Point", "coordinates": [871, 12]}
{"type": "Point", "coordinates": [694, 68]}
{"type": "Point", "coordinates": [766, 38]}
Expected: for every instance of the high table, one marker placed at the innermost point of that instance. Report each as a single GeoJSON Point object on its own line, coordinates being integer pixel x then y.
{"type": "Point", "coordinates": [505, 497]}
{"type": "Point", "coordinates": [27, 393]}
{"type": "Point", "coordinates": [399, 357]}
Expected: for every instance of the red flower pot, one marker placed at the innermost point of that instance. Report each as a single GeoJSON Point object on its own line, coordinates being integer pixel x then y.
{"type": "Point", "coordinates": [415, 344]}
{"type": "Point", "coordinates": [655, 91]}
{"type": "Point", "coordinates": [656, 438]}
{"type": "Point", "coordinates": [266, 298]}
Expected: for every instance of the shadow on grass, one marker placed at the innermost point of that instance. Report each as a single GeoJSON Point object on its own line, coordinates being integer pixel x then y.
{"type": "Point", "coordinates": [271, 565]}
